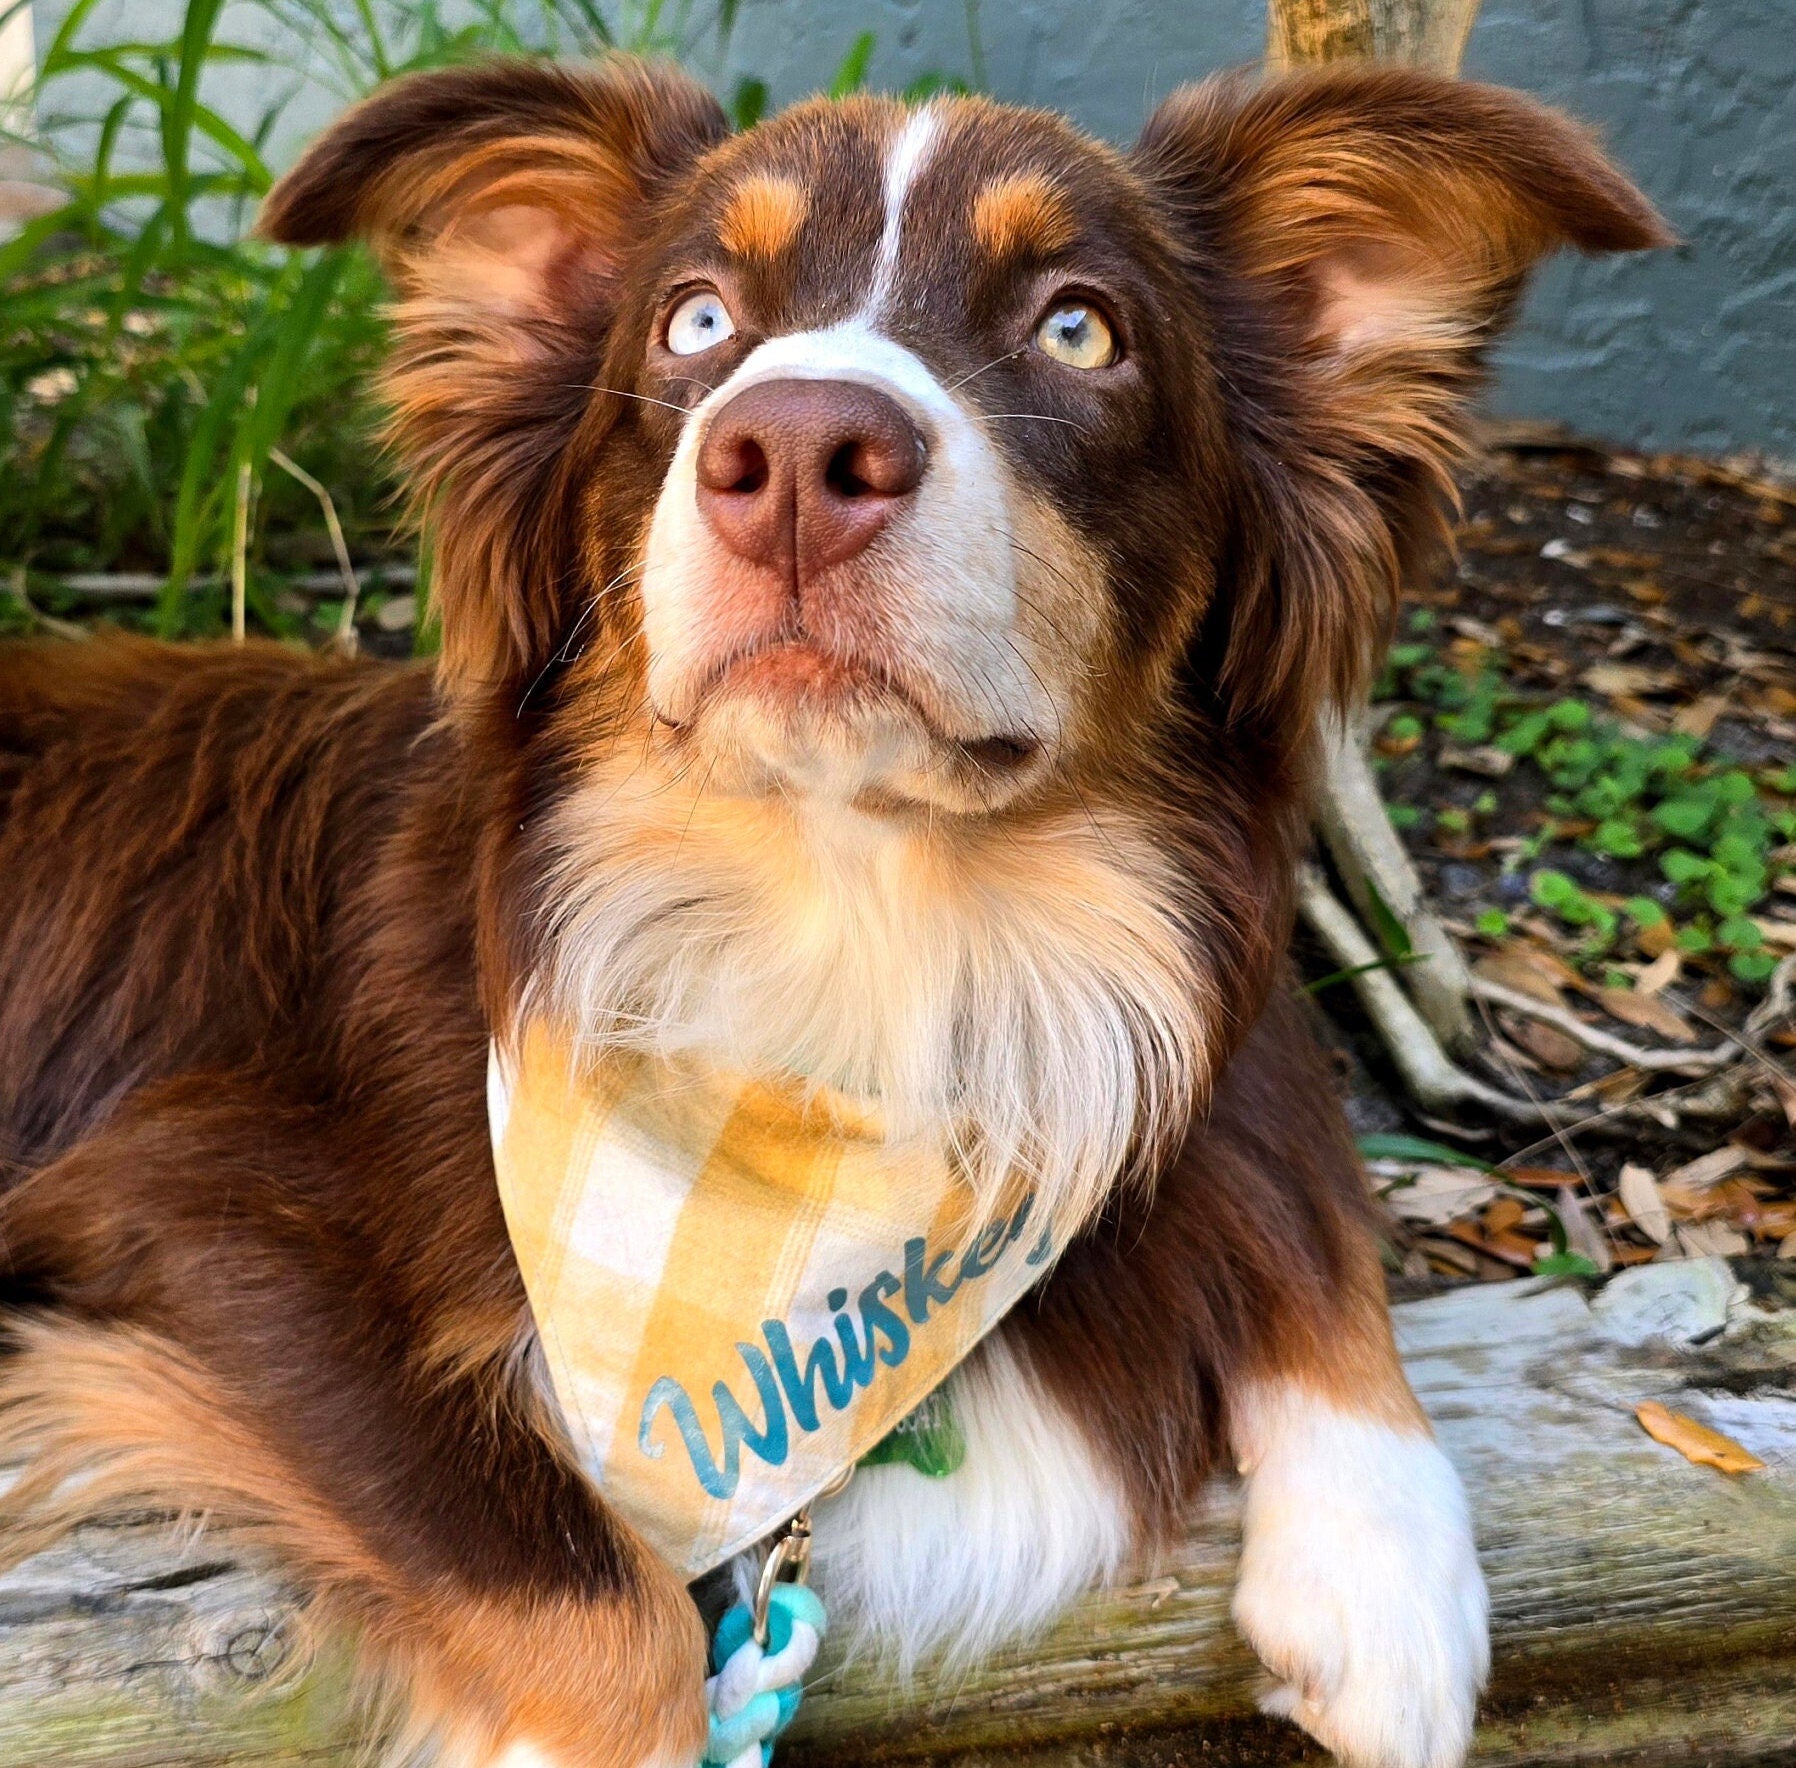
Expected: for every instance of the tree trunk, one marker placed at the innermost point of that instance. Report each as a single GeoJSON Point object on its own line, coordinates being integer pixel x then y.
{"type": "Point", "coordinates": [1366, 850]}
{"type": "Point", "coordinates": [1423, 33]}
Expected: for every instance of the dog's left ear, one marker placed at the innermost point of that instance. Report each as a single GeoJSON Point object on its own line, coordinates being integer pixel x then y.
{"type": "Point", "coordinates": [1362, 235]}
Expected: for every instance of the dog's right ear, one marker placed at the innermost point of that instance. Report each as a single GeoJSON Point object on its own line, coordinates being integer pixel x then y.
{"type": "Point", "coordinates": [508, 185]}
{"type": "Point", "coordinates": [502, 199]}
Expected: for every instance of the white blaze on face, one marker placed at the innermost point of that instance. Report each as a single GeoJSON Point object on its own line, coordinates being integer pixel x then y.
{"type": "Point", "coordinates": [906, 158]}
{"type": "Point", "coordinates": [962, 598]}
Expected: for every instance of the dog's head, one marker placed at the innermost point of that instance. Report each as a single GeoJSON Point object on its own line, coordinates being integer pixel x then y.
{"type": "Point", "coordinates": [931, 452]}
{"type": "Point", "coordinates": [1003, 506]}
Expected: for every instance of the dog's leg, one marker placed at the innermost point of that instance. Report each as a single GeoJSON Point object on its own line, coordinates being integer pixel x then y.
{"type": "Point", "coordinates": [220, 1337]}
{"type": "Point", "coordinates": [1237, 1313]}
{"type": "Point", "coordinates": [1359, 1583]}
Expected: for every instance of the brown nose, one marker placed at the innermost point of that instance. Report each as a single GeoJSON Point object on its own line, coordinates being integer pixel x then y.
{"type": "Point", "coordinates": [800, 475]}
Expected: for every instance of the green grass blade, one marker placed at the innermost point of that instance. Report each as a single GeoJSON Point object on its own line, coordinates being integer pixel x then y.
{"type": "Point", "coordinates": [279, 385]}
{"type": "Point", "coordinates": [204, 118]}
{"type": "Point", "coordinates": [178, 114]}
{"type": "Point", "coordinates": [53, 60]}
{"type": "Point", "coordinates": [851, 76]}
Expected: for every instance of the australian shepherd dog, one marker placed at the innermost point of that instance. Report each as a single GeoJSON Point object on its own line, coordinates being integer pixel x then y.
{"type": "Point", "coordinates": [893, 564]}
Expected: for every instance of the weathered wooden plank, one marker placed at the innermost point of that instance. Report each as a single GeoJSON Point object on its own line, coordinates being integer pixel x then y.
{"type": "Point", "coordinates": [1645, 1609]}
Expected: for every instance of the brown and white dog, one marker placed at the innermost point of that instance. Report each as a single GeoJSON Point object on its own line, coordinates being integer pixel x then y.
{"type": "Point", "coordinates": [892, 566]}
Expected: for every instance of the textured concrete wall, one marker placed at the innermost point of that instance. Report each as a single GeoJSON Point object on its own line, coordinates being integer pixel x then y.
{"type": "Point", "coordinates": [1692, 349]}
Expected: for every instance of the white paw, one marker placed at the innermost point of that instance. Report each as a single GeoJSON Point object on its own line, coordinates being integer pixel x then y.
{"type": "Point", "coordinates": [1359, 1585]}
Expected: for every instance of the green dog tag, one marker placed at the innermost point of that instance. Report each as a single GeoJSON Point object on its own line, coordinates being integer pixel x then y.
{"type": "Point", "coordinates": [928, 1439]}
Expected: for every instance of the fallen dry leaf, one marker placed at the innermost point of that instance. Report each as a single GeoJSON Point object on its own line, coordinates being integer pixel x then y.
{"type": "Point", "coordinates": [1541, 1178]}
{"type": "Point", "coordinates": [1646, 1208]}
{"type": "Point", "coordinates": [1660, 973]}
{"type": "Point", "coordinates": [1583, 1234]}
{"type": "Point", "coordinates": [1646, 1011]}
{"type": "Point", "coordinates": [1627, 678]}
{"type": "Point", "coordinates": [1712, 1240]}
{"type": "Point", "coordinates": [1549, 1046]}
{"type": "Point", "coordinates": [1769, 1221]}
{"type": "Point", "coordinates": [1695, 1442]}
{"type": "Point", "coordinates": [1707, 1169]}
{"type": "Point", "coordinates": [1439, 1194]}
{"type": "Point", "coordinates": [1486, 761]}
{"type": "Point", "coordinates": [1716, 994]}
{"type": "Point", "coordinates": [1641, 714]}
{"type": "Point", "coordinates": [1698, 718]}
{"type": "Point", "coordinates": [1482, 634]}
{"type": "Point", "coordinates": [1511, 1248]}
{"type": "Point", "coordinates": [1786, 1097]}
{"type": "Point", "coordinates": [1504, 1214]}
{"type": "Point", "coordinates": [1449, 1260]}
{"type": "Point", "coordinates": [1520, 968]}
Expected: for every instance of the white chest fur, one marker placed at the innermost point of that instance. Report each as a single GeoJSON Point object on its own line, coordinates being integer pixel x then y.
{"type": "Point", "coordinates": [908, 1564]}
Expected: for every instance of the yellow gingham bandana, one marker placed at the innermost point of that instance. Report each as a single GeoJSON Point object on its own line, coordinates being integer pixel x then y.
{"type": "Point", "coordinates": [739, 1291]}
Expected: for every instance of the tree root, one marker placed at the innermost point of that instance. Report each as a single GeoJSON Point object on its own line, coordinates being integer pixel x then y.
{"type": "Point", "coordinates": [1432, 1078]}
{"type": "Point", "coordinates": [1372, 861]}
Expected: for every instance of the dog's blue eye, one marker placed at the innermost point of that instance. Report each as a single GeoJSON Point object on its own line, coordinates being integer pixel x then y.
{"type": "Point", "coordinates": [1076, 335]}
{"type": "Point", "coordinates": [699, 322]}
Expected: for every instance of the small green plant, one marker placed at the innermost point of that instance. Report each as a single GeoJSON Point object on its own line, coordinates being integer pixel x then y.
{"type": "Point", "coordinates": [1713, 830]}
{"type": "Point", "coordinates": [1563, 896]}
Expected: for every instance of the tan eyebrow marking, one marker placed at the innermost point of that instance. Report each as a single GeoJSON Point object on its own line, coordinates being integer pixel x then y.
{"type": "Point", "coordinates": [1022, 213]}
{"type": "Point", "coordinates": [762, 216]}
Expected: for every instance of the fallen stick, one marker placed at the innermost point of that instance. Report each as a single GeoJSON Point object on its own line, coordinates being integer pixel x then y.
{"type": "Point", "coordinates": [1593, 1037]}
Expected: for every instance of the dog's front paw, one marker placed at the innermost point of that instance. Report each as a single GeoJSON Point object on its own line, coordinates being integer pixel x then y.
{"type": "Point", "coordinates": [1360, 1588]}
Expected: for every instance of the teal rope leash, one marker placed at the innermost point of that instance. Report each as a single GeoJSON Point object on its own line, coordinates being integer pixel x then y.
{"type": "Point", "coordinates": [757, 1687]}
{"type": "Point", "coordinates": [760, 1655]}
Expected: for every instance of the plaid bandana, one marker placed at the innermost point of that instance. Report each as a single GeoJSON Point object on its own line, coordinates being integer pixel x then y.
{"type": "Point", "coordinates": [740, 1291]}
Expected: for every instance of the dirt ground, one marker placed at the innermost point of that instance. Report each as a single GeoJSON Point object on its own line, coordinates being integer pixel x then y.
{"type": "Point", "coordinates": [1630, 605]}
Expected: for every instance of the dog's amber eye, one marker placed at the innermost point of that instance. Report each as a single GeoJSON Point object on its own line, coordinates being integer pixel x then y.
{"type": "Point", "coordinates": [1076, 334]}
{"type": "Point", "coordinates": [699, 322]}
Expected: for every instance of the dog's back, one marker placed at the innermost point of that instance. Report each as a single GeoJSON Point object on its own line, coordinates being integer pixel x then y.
{"type": "Point", "coordinates": [180, 830]}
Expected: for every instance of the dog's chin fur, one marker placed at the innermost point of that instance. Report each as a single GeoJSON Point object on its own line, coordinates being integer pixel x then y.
{"type": "Point", "coordinates": [1028, 990]}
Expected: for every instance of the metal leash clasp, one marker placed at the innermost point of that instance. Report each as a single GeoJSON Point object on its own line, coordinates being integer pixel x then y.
{"type": "Point", "coordinates": [788, 1560]}
{"type": "Point", "coordinates": [789, 1555]}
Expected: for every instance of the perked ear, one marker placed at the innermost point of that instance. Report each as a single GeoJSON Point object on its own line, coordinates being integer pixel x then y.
{"type": "Point", "coordinates": [502, 198]}
{"type": "Point", "coordinates": [1364, 234]}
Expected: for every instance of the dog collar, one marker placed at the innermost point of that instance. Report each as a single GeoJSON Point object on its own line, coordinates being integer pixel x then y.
{"type": "Point", "coordinates": [740, 1290]}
